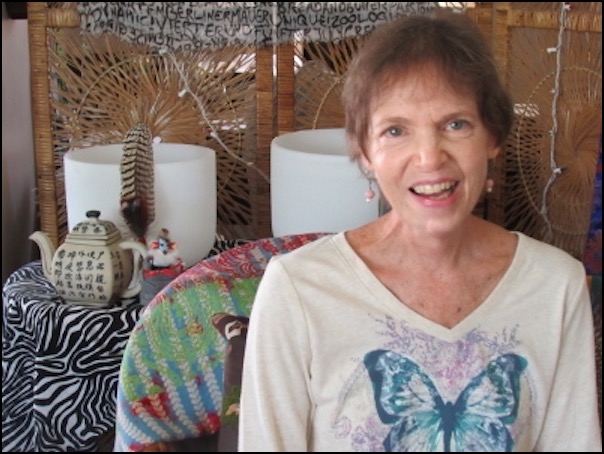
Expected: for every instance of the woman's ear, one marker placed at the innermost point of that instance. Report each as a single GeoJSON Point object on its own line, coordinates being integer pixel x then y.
{"type": "Point", "coordinates": [493, 150]}
{"type": "Point", "coordinates": [364, 162]}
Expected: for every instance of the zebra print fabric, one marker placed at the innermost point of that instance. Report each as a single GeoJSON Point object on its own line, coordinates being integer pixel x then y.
{"type": "Point", "coordinates": [60, 366]}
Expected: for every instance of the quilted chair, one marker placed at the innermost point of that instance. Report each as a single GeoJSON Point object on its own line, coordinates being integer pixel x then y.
{"type": "Point", "coordinates": [171, 388]}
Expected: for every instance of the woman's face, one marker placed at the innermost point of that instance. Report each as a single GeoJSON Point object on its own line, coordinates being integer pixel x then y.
{"type": "Point", "coordinates": [428, 149]}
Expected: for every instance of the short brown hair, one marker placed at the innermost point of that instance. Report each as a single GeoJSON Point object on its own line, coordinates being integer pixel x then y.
{"type": "Point", "coordinates": [450, 42]}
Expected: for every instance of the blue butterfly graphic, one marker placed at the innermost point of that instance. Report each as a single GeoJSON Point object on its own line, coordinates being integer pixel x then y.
{"type": "Point", "coordinates": [407, 399]}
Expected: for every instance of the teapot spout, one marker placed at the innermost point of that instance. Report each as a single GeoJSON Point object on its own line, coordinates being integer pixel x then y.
{"type": "Point", "coordinates": [47, 251]}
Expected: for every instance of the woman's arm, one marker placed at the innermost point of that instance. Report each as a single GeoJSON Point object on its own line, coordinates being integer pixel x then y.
{"type": "Point", "coordinates": [275, 401]}
{"type": "Point", "coordinates": [572, 422]}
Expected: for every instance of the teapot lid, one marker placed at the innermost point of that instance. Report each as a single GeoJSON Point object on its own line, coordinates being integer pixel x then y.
{"type": "Point", "coordinates": [94, 229]}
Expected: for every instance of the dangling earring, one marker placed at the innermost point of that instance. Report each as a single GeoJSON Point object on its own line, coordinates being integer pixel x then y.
{"type": "Point", "coordinates": [489, 184]}
{"type": "Point", "coordinates": [369, 193]}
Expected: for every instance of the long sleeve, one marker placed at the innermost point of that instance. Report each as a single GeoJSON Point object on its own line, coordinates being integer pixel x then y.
{"type": "Point", "coordinates": [571, 423]}
{"type": "Point", "coordinates": [275, 417]}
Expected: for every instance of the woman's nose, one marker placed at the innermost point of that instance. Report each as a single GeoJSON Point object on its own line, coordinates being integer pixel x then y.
{"type": "Point", "coordinates": [430, 151]}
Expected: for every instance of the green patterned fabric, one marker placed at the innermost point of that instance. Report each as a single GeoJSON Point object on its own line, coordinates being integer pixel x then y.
{"type": "Point", "coordinates": [171, 377]}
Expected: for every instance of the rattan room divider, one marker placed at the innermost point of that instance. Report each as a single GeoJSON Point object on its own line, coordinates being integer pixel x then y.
{"type": "Point", "coordinates": [292, 86]}
{"type": "Point", "coordinates": [89, 90]}
{"type": "Point", "coordinates": [552, 54]}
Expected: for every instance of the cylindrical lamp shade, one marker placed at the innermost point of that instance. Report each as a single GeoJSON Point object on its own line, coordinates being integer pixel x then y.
{"type": "Point", "coordinates": [315, 187]}
{"type": "Point", "coordinates": [184, 187]}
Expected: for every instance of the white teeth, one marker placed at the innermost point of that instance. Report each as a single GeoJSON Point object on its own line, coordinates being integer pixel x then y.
{"type": "Point", "coordinates": [429, 189]}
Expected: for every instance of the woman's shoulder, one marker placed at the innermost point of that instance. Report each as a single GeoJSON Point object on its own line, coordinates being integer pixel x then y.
{"type": "Point", "coordinates": [546, 253]}
{"type": "Point", "coordinates": [311, 250]}
{"type": "Point", "coordinates": [319, 252]}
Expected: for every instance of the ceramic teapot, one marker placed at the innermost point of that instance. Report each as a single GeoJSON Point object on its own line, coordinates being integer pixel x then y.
{"type": "Point", "coordinates": [94, 265]}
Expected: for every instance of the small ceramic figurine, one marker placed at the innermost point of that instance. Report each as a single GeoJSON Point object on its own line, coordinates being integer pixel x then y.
{"type": "Point", "coordinates": [163, 253]}
{"type": "Point", "coordinates": [162, 264]}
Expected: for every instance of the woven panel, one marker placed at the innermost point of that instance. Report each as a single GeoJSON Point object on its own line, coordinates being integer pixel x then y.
{"type": "Point", "coordinates": [102, 87]}
{"type": "Point", "coordinates": [305, 94]}
{"type": "Point", "coordinates": [541, 202]}
{"type": "Point", "coordinates": [320, 70]}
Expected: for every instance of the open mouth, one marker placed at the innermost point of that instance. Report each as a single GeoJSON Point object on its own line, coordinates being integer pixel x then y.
{"type": "Point", "coordinates": [435, 191]}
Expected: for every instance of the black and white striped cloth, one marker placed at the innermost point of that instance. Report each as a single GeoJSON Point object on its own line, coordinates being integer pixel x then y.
{"type": "Point", "coordinates": [60, 364]}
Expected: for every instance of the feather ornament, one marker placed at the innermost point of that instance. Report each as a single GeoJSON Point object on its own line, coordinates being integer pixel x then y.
{"type": "Point", "coordinates": [137, 198]}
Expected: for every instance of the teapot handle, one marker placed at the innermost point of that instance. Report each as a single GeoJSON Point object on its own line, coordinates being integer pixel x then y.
{"type": "Point", "coordinates": [135, 289]}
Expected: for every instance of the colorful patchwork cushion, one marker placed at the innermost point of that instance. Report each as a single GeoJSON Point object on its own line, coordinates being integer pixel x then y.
{"type": "Point", "coordinates": [171, 377]}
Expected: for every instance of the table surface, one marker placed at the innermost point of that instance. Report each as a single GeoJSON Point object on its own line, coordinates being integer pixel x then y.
{"type": "Point", "coordinates": [60, 365]}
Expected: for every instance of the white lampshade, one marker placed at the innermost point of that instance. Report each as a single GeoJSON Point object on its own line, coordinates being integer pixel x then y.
{"type": "Point", "coordinates": [315, 187]}
{"type": "Point", "coordinates": [185, 193]}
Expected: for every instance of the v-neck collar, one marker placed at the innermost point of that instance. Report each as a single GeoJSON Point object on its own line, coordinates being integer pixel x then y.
{"type": "Point", "coordinates": [398, 309]}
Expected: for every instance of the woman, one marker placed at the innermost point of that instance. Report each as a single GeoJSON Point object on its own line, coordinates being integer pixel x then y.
{"type": "Point", "coordinates": [429, 329]}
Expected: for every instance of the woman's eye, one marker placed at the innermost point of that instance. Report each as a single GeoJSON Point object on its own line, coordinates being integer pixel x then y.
{"type": "Point", "coordinates": [457, 125]}
{"type": "Point", "coordinates": [394, 131]}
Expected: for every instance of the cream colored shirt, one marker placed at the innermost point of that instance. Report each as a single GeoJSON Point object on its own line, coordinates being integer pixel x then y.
{"type": "Point", "coordinates": [335, 362]}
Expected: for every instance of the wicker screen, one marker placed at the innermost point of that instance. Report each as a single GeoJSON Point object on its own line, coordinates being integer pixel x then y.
{"type": "Point", "coordinates": [102, 87]}
{"type": "Point", "coordinates": [320, 69]}
{"type": "Point", "coordinates": [99, 87]}
{"type": "Point", "coordinates": [552, 154]}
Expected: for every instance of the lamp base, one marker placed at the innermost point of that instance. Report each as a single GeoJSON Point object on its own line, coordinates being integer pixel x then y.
{"type": "Point", "coordinates": [315, 187]}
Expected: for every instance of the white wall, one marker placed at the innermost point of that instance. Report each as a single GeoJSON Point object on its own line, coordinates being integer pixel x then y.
{"type": "Point", "coordinates": [18, 164]}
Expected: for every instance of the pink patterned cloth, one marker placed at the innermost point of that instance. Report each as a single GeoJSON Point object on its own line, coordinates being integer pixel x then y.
{"type": "Point", "coordinates": [171, 377]}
